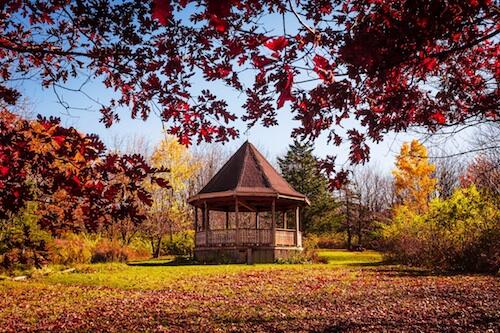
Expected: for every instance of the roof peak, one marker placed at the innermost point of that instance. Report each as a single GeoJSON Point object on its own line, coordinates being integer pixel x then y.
{"type": "Point", "coordinates": [247, 171]}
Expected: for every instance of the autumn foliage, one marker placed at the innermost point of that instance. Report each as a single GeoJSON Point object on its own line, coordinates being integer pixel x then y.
{"type": "Point", "coordinates": [389, 64]}
{"type": "Point", "coordinates": [413, 176]}
{"type": "Point", "coordinates": [69, 174]}
{"type": "Point", "coordinates": [460, 232]}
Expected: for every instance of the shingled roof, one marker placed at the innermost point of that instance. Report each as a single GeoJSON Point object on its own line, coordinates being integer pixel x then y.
{"type": "Point", "coordinates": [248, 173]}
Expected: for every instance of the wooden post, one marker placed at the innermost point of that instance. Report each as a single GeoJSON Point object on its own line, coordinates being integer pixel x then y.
{"type": "Point", "coordinates": [297, 226]}
{"type": "Point", "coordinates": [196, 219]}
{"type": "Point", "coordinates": [227, 220]}
{"type": "Point", "coordinates": [206, 227]}
{"type": "Point", "coordinates": [257, 233]}
{"type": "Point", "coordinates": [273, 223]}
{"type": "Point", "coordinates": [203, 219]}
{"type": "Point", "coordinates": [284, 219]}
{"type": "Point", "coordinates": [237, 220]}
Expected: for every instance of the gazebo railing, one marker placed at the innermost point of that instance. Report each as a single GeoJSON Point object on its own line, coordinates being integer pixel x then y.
{"type": "Point", "coordinates": [284, 237]}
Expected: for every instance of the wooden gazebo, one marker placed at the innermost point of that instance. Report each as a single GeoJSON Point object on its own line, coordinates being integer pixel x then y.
{"type": "Point", "coordinates": [247, 212]}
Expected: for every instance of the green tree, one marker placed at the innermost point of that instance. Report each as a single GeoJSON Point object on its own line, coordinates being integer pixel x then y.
{"type": "Point", "coordinates": [22, 243]}
{"type": "Point", "coordinates": [300, 169]}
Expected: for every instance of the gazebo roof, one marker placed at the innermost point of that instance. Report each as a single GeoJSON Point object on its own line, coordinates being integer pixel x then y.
{"type": "Point", "coordinates": [248, 174]}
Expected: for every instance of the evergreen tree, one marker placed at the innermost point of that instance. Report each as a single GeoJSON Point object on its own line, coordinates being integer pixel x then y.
{"type": "Point", "coordinates": [300, 169]}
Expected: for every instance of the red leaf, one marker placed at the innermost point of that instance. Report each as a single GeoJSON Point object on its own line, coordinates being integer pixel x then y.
{"type": "Point", "coordinates": [439, 117]}
{"type": "Point", "coordinates": [162, 182]}
{"type": "Point", "coordinates": [430, 63]}
{"type": "Point", "coordinates": [162, 11]}
{"type": "Point", "coordinates": [286, 92]}
{"type": "Point", "coordinates": [76, 180]}
{"type": "Point", "coordinates": [325, 9]}
{"type": "Point", "coordinates": [323, 68]}
{"type": "Point", "coordinates": [99, 186]}
{"type": "Point", "coordinates": [185, 140]}
{"type": "Point", "coordinates": [59, 139]}
{"type": "Point", "coordinates": [145, 197]}
{"type": "Point", "coordinates": [276, 44]}
{"type": "Point", "coordinates": [320, 62]}
{"type": "Point", "coordinates": [261, 62]}
{"type": "Point", "coordinates": [4, 170]}
{"type": "Point", "coordinates": [242, 60]}
{"type": "Point", "coordinates": [219, 24]}
{"type": "Point", "coordinates": [223, 72]}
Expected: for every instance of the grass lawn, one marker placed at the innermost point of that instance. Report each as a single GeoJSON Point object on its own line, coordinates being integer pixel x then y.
{"type": "Point", "coordinates": [354, 292]}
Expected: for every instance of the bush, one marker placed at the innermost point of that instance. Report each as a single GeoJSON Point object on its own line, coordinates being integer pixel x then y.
{"type": "Point", "coordinates": [309, 253]}
{"type": "Point", "coordinates": [181, 244]}
{"type": "Point", "coordinates": [139, 249]}
{"type": "Point", "coordinates": [107, 250]}
{"type": "Point", "coordinates": [23, 244]}
{"type": "Point", "coordinates": [332, 241]}
{"type": "Point", "coordinates": [461, 233]}
{"type": "Point", "coordinates": [71, 249]}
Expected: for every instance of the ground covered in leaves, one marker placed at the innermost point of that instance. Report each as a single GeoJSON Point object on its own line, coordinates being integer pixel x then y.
{"type": "Point", "coordinates": [352, 293]}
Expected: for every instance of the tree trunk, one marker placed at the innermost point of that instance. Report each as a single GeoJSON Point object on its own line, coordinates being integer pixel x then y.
{"type": "Point", "coordinates": [158, 247]}
{"type": "Point", "coordinates": [349, 238]}
{"type": "Point", "coordinates": [155, 246]}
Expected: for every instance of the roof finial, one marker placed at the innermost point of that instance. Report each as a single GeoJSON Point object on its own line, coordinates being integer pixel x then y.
{"type": "Point", "coordinates": [247, 134]}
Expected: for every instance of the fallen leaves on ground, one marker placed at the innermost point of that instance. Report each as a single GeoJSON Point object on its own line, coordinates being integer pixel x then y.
{"type": "Point", "coordinates": [283, 299]}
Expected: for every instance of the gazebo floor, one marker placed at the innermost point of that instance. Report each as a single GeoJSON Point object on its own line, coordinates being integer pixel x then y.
{"type": "Point", "coordinates": [244, 254]}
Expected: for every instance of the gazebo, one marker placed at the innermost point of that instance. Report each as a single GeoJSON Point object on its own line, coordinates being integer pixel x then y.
{"type": "Point", "coordinates": [247, 212]}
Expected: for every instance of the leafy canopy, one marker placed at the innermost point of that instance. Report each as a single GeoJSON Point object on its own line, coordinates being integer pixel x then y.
{"type": "Point", "coordinates": [71, 175]}
{"type": "Point", "coordinates": [388, 64]}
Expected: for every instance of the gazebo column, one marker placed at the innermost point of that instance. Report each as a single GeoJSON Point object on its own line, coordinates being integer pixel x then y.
{"type": "Point", "coordinates": [206, 226]}
{"type": "Point", "coordinates": [273, 223]}
{"type": "Point", "coordinates": [195, 219]}
{"type": "Point", "coordinates": [237, 220]}
{"type": "Point", "coordinates": [297, 226]}
{"type": "Point", "coordinates": [257, 232]}
{"type": "Point", "coordinates": [203, 217]}
{"type": "Point", "coordinates": [227, 219]}
{"type": "Point", "coordinates": [284, 219]}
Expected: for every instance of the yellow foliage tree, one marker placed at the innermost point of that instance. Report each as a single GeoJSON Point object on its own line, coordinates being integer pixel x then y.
{"type": "Point", "coordinates": [413, 176]}
{"type": "Point", "coordinates": [169, 211]}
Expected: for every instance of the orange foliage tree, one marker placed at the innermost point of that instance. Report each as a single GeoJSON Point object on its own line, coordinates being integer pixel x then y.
{"type": "Point", "coordinates": [414, 182]}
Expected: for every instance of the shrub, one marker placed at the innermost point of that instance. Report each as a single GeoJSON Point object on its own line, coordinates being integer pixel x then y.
{"type": "Point", "coordinates": [460, 233]}
{"type": "Point", "coordinates": [139, 249]}
{"type": "Point", "coordinates": [332, 241]}
{"type": "Point", "coordinates": [71, 249]}
{"type": "Point", "coordinates": [309, 253]}
{"type": "Point", "coordinates": [109, 251]}
{"type": "Point", "coordinates": [181, 243]}
{"type": "Point", "coordinates": [23, 244]}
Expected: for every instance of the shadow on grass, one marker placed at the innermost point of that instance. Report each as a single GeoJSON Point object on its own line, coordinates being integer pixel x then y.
{"type": "Point", "coordinates": [177, 261]}
{"type": "Point", "coordinates": [409, 271]}
{"type": "Point", "coordinates": [366, 264]}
